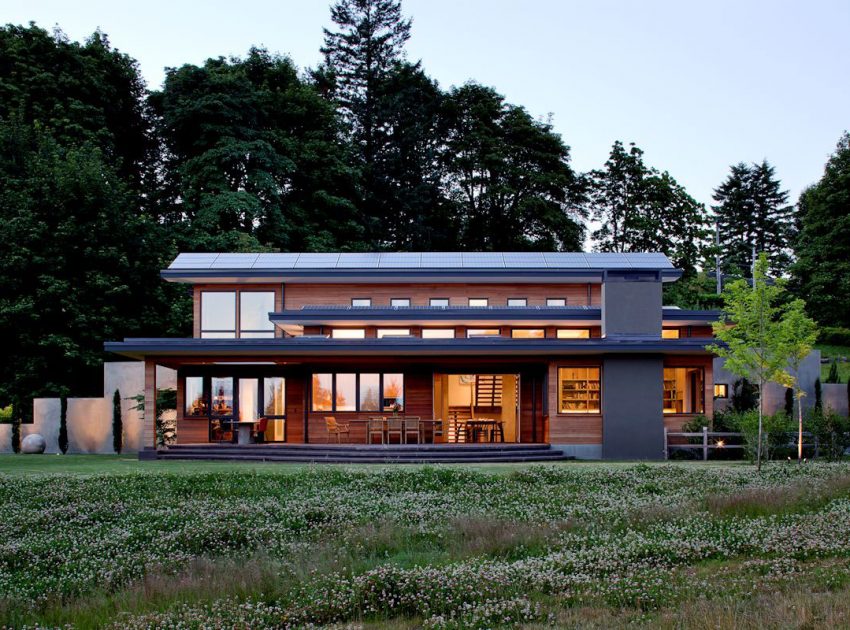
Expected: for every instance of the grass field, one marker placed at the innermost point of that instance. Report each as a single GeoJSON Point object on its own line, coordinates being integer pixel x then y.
{"type": "Point", "coordinates": [828, 352]}
{"type": "Point", "coordinates": [112, 542]}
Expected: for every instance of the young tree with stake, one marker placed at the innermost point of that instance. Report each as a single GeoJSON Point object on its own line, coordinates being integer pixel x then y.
{"type": "Point", "coordinates": [749, 331]}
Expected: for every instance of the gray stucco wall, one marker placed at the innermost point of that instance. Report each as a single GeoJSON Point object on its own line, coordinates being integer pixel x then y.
{"type": "Point", "coordinates": [631, 309]}
{"type": "Point", "coordinates": [632, 418]}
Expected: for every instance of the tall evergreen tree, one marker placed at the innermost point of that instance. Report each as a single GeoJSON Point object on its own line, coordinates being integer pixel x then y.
{"type": "Point", "coordinates": [822, 271]}
{"type": "Point", "coordinates": [753, 212]}
{"type": "Point", "coordinates": [254, 159]}
{"type": "Point", "coordinates": [641, 209]}
{"type": "Point", "coordinates": [509, 176]}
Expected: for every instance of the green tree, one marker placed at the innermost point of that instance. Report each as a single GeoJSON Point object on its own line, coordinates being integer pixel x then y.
{"type": "Point", "coordinates": [509, 176]}
{"type": "Point", "coordinates": [253, 159]}
{"type": "Point", "coordinates": [640, 209]}
{"type": "Point", "coordinates": [750, 334]}
{"type": "Point", "coordinates": [16, 429]}
{"type": "Point", "coordinates": [833, 376]}
{"type": "Point", "coordinates": [753, 212]}
{"type": "Point", "coordinates": [117, 423]}
{"type": "Point", "coordinates": [797, 334]}
{"type": "Point", "coordinates": [821, 274]}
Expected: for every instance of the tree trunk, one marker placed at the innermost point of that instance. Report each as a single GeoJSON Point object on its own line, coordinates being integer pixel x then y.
{"type": "Point", "coordinates": [761, 415]}
{"type": "Point", "coordinates": [799, 428]}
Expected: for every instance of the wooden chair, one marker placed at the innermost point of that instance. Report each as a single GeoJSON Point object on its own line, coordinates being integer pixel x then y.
{"type": "Point", "coordinates": [375, 425]}
{"type": "Point", "coordinates": [411, 425]}
{"type": "Point", "coordinates": [258, 434]}
{"type": "Point", "coordinates": [335, 428]}
{"type": "Point", "coordinates": [395, 425]}
{"type": "Point", "coordinates": [437, 429]}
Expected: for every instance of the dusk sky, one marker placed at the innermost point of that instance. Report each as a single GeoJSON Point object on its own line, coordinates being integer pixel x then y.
{"type": "Point", "coordinates": [698, 86]}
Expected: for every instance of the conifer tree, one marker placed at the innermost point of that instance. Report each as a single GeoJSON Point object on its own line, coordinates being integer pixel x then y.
{"type": "Point", "coordinates": [753, 212]}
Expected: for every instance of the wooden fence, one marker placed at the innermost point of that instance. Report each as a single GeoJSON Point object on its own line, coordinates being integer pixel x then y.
{"type": "Point", "coordinates": [710, 440]}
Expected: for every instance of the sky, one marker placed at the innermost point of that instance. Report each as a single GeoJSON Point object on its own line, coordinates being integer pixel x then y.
{"type": "Point", "coordinates": [697, 85]}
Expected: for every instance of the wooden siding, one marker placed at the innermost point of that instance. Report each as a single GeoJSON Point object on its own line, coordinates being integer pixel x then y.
{"type": "Point", "coordinates": [298, 295]}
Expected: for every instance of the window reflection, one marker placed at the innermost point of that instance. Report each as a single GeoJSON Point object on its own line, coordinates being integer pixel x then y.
{"type": "Point", "coordinates": [222, 396]}
{"type": "Point", "coordinates": [196, 402]}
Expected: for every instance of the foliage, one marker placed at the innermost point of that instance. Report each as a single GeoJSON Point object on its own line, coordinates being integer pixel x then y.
{"type": "Point", "coordinates": [754, 342]}
{"type": "Point", "coordinates": [117, 423]}
{"type": "Point", "coordinates": [165, 428]}
{"type": "Point", "coordinates": [693, 291]}
{"type": "Point", "coordinates": [776, 429]}
{"type": "Point", "coordinates": [640, 209]}
{"type": "Point", "coordinates": [332, 546]}
{"type": "Point", "coordinates": [818, 395]}
{"type": "Point", "coordinates": [63, 424]}
{"type": "Point", "coordinates": [822, 270]}
{"type": "Point", "coordinates": [753, 212]}
{"type": "Point", "coordinates": [745, 396]}
{"type": "Point", "coordinates": [833, 373]}
{"type": "Point", "coordinates": [16, 431]}
{"type": "Point", "coordinates": [508, 176]}
{"type": "Point", "coordinates": [834, 336]}
{"type": "Point", "coordinates": [6, 414]}
{"type": "Point", "coordinates": [832, 431]}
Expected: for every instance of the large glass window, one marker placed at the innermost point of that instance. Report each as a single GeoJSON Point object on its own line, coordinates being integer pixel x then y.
{"type": "Point", "coordinates": [358, 392]}
{"type": "Point", "coordinates": [438, 333]}
{"type": "Point", "coordinates": [274, 396]}
{"type": "Point", "coordinates": [573, 333]}
{"type": "Point", "coordinates": [528, 333]}
{"type": "Point", "coordinates": [254, 309]}
{"type": "Point", "coordinates": [684, 390]}
{"type": "Point", "coordinates": [348, 333]}
{"type": "Point", "coordinates": [370, 392]}
{"type": "Point", "coordinates": [249, 399]}
{"type": "Point", "coordinates": [670, 333]}
{"type": "Point", "coordinates": [196, 401]}
{"type": "Point", "coordinates": [345, 394]}
{"type": "Point", "coordinates": [393, 392]}
{"type": "Point", "coordinates": [322, 392]}
{"type": "Point", "coordinates": [578, 390]}
{"type": "Point", "coordinates": [393, 332]}
{"type": "Point", "coordinates": [222, 395]}
{"type": "Point", "coordinates": [218, 314]}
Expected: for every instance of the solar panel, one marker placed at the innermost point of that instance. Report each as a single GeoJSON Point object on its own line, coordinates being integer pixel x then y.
{"type": "Point", "coordinates": [424, 260]}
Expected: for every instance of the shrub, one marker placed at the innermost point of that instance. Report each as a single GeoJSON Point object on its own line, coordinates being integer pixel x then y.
{"type": "Point", "coordinates": [776, 432]}
{"type": "Point", "coordinates": [744, 396]}
{"type": "Point", "coordinates": [63, 424]}
{"type": "Point", "coordinates": [16, 431]}
{"type": "Point", "coordinates": [831, 430]}
{"type": "Point", "coordinates": [833, 336]}
{"type": "Point", "coordinates": [6, 414]}
{"type": "Point", "coordinates": [833, 377]}
{"type": "Point", "coordinates": [117, 423]}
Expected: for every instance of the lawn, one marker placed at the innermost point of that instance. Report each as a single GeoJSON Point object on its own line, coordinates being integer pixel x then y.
{"type": "Point", "coordinates": [113, 542]}
{"type": "Point", "coordinates": [829, 352]}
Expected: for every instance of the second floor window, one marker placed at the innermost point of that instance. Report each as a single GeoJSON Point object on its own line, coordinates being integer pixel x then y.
{"type": "Point", "coordinates": [556, 302]}
{"type": "Point", "coordinates": [479, 302]}
{"type": "Point", "coordinates": [517, 301]}
{"type": "Point", "coordinates": [361, 301]}
{"type": "Point", "coordinates": [232, 314]}
{"type": "Point", "coordinates": [400, 302]}
{"type": "Point", "coordinates": [442, 302]}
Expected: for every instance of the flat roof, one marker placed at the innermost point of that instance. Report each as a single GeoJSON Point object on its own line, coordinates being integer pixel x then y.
{"type": "Point", "coordinates": [420, 260]}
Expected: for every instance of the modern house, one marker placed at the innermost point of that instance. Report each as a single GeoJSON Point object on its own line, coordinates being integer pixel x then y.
{"type": "Point", "coordinates": [575, 350]}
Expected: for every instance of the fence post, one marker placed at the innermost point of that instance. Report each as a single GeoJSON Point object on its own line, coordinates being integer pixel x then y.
{"type": "Point", "coordinates": [666, 451]}
{"type": "Point", "coordinates": [705, 444]}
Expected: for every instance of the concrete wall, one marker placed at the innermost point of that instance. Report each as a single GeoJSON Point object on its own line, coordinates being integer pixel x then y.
{"type": "Point", "coordinates": [632, 418]}
{"type": "Point", "coordinates": [631, 308]}
{"type": "Point", "coordinates": [90, 419]}
{"type": "Point", "coordinates": [774, 394]}
{"type": "Point", "coordinates": [835, 397]}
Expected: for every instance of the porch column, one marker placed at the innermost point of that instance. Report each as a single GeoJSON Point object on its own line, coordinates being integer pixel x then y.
{"type": "Point", "coordinates": [149, 423]}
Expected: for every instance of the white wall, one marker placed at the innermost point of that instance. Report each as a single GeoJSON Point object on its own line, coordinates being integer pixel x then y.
{"type": "Point", "coordinates": [90, 419]}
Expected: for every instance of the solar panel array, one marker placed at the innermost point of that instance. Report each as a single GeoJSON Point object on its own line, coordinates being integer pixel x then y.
{"type": "Point", "coordinates": [424, 260]}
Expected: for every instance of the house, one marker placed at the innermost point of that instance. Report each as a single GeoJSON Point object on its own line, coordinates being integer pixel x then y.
{"type": "Point", "coordinates": [575, 350]}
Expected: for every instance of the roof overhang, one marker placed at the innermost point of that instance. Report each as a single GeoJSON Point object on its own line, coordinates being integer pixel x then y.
{"type": "Point", "coordinates": [385, 276]}
{"type": "Point", "coordinates": [293, 348]}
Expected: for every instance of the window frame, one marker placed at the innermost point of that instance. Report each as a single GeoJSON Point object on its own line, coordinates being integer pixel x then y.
{"type": "Point", "coordinates": [361, 299]}
{"type": "Point", "coordinates": [701, 393]}
{"type": "Point", "coordinates": [401, 299]}
{"type": "Point", "coordinates": [561, 299]}
{"type": "Point", "coordinates": [524, 301]}
{"type": "Point", "coordinates": [483, 299]}
{"type": "Point", "coordinates": [725, 390]}
{"type": "Point", "coordinates": [587, 411]}
{"type": "Point", "coordinates": [237, 331]}
{"type": "Point", "coordinates": [447, 301]}
{"type": "Point", "coordinates": [357, 405]}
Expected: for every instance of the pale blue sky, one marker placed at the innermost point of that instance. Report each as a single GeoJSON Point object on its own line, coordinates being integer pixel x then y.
{"type": "Point", "coordinates": [698, 86]}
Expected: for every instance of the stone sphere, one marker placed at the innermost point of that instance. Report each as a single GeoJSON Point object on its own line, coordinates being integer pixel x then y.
{"type": "Point", "coordinates": [33, 443]}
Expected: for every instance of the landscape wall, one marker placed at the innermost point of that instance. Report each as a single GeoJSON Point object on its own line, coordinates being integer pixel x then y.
{"type": "Point", "coordinates": [90, 419]}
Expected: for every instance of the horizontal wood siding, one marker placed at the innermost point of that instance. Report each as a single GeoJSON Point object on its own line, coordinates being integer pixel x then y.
{"type": "Point", "coordinates": [193, 431]}
{"type": "Point", "coordinates": [295, 409]}
{"type": "Point", "coordinates": [298, 295]}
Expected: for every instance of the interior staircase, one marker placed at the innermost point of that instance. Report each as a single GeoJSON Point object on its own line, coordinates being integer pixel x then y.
{"type": "Point", "coordinates": [488, 390]}
{"type": "Point", "coordinates": [362, 453]}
